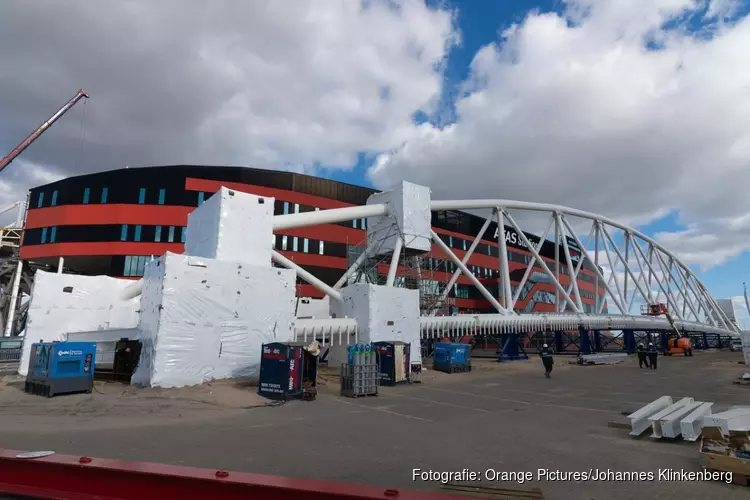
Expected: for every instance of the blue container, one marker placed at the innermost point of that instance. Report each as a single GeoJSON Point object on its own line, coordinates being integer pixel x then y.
{"type": "Point", "coordinates": [452, 358]}
{"type": "Point", "coordinates": [61, 368]}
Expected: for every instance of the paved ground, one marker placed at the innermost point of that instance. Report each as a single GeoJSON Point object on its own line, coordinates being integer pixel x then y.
{"type": "Point", "coordinates": [507, 418]}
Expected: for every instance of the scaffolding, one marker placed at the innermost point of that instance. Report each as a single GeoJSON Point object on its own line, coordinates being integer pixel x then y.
{"type": "Point", "coordinates": [415, 272]}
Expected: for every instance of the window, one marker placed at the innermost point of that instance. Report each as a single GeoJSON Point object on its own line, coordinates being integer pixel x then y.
{"type": "Point", "coordinates": [463, 244]}
{"type": "Point", "coordinates": [170, 238]}
{"type": "Point", "coordinates": [317, 209]}
{"type": "Point", "coordinates": [294, 244]}
{"type": "Point", "coordinates": [124, 233]}
{"type": "Point", "coordinates": [273, 241]}
{"type": "Point", "coordinates": [450, 241]}
{"type": "Point", "coordinates": [201, 198]}
{"type": "Point", "coordinates": [296, 208]}
{"type": "Point", "coordinates": [162, 195]}
{"type": "Point", "coordinates": [135, 265]}
{"type": "Point", "coordinates": [104, 195]}
{"type": "Point", "coordinates": [354, 223]}
{"type": "Point", "coordinates": [137, 235]}
{"type": "Point", "coordinates": [183, 236]}
{"type": "Point", "coordinates": [157, 234]}
{"type": "Point", "coordinates": [286, 207]}
{"type": "Point", "coordinates": [142, 196]}
{"type": "Point", "coordinates": [283, 242]}
{"type": "Point", "coordinates": [40, 201]}
{"type": "Point", "coordinates": [305, 248]}
{"type": "Point", "coordinates": [54, 198]}
{"type": "Point", "coordinates": [44, 235]}
{"type": "Point", "coordinates": [363, 223]}
{"type": "Point", "coordinates": [52, 234]}
{"type": "Point", "coordinates": [86, 195]}
{"type": "Point", "coordinates": [321, 247]}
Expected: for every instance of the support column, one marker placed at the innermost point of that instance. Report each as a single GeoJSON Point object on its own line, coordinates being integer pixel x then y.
{"type": "Point", "coordinates": [559, 347]}
{"type": "Point", "coordinates": [597, 341]}
{"type": "Point", "coordinates": [629, 341]}
{"type": "Point", "coordinates": [13, 300]}
{"type": "Point", "coordinates": [584, 344]}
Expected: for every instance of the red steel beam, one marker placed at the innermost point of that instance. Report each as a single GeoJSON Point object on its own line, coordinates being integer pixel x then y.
{"type": "Point", "coordinates": [66, 477]}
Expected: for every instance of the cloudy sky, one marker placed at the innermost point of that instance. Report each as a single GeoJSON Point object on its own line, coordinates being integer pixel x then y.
{"type": "Point", "coordinates": [636, 109]}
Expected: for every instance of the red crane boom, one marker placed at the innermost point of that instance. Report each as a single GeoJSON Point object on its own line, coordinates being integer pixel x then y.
{"type": "Point", "coordinates": [40, 130]}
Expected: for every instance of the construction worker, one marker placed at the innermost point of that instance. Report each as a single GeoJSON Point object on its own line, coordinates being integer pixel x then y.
{"type": "Point", "coordinates": [653, 355]}
{"type": "Point", "coordinates": [547, 360]}
{"type": "Point", "coordinates": [642, 359]}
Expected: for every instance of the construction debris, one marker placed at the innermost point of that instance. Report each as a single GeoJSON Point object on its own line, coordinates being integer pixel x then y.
{"type": "Point", "coordinates": [727, 452]}
{"type": "Point", "coordinates": [601, 359]}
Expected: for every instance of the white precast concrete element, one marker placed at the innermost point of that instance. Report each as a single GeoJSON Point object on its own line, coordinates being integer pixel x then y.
{"type": "Point", "coordinates": [228, 226]}
{"type": "Point", "coordinates": [692, 424]}
{"type": "Point", "coordinates": [62, 304]}
{"type": "Point", "coordinates": [383, 313]}
{"type": "Point", "coordinates": [204, 319]}
{"type": "Point", "coordinates": [671, 425]}
{"type": "Point", "coordinates": [734, 419]}
{"type": "Point", "coordinates": [409, 207]}
{"type": "Point", "coordinates": [327, 331]}
{"type": "Point", "coordinates": [655, 419]}
{"type": "Point", "coordinates": [639, 420]}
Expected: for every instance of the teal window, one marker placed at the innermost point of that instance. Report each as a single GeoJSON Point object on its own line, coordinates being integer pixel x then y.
{"type": "Point", "coordinates": [305, 247]}
{"type": "Point", "coordinates": [86, 195]}
{"type": "Point", "coordinates": [54, 198]}
{"type": "Point", "coordinates": [52, 234]}
{"type": "Point", "coordinates": [201, 198]}
{"type": "Point", "coordinates": [294, 244]}
{"type": "Point", "coordinates": [321, 247]}
{"type": "Point", "coordinates": [124, 233]}
{"type": "Point", "coordinates": [354, 223]}
{"type": "Point", "coordinates": [286, 207]}
{"type": "Point", "coordinates": [162, 195]}
{"type": "Point", "coordinates": [283, 242]}
{"type": "Point", "coordinates": [137, 235]}
{"type": "Point", "coordinates": [135, 265]}
{"type": "Point", "coordinates": [142, 196]}
{"type": "Point", "coordinates": [44, 235]}
{"type": "Point", "coordinates": [104, 195]}
{"type": "Point", "coordinates": [170, 238]}
{"type": "Point", "coordinates": [183, 235]}
{"type": "Point", "coordinates": [40, 201]}
{"type": "Point", "coordinates": [157, 234]}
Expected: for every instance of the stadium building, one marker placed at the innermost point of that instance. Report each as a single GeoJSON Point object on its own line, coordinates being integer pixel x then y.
{"type": "Point", "coordinates": [111, 223]}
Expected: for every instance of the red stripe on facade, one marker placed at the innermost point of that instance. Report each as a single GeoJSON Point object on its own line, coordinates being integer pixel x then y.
{"type": "Point", "coordinates": [91, 215]}
{"type": "Point", "coordinates": [99, 248]}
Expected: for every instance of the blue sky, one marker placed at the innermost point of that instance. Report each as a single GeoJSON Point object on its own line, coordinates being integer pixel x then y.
{"type": "Point", "coordinates": [479, 23]}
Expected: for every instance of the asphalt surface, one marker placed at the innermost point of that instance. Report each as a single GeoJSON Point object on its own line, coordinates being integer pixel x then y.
{"type": "Point", "coordinates": [512, 420]}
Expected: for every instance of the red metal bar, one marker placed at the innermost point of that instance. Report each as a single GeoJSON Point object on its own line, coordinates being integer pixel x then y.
{"type": "Point", "coordinates": [66, 477]}
{"type": "Point", "coordinates": [41, 128]}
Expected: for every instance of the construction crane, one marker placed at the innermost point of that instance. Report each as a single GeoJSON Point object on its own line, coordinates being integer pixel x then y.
{"type": "Point", "coordinates": [679, 345]}
{"type": "Point", "coordinates": [40, 130]}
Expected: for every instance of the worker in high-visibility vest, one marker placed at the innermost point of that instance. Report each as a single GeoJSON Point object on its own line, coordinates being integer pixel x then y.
{"type": "Point", "coordinates": [547, 360]}
{"type": "Point", "coordinates": [642, 359]}
{"type": "Point", "coordinates": [653, 355]}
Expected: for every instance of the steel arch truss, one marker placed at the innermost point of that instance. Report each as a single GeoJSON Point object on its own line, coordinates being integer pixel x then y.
{"type": "Point", "coordinates": [630, 270]}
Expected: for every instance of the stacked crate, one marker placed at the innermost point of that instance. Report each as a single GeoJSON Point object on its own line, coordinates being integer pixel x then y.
{"type": "Point", "coordinates": [360, 375]}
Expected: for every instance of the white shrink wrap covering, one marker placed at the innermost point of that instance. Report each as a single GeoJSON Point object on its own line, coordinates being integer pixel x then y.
{"type": "Point", "coordinates": [228, 226]}
{"type": "Point", "coordinates": [383, 313]}
{"type": "Point", "coordinates": [68, 303]}
{"type": "Point", "coordinates": [409, 206]}
{"type": "Point", "coordinates": [204, 319]}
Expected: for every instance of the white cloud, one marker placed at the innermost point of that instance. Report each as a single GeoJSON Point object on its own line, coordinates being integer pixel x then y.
{"type": "Point", "coordinates": [576, 111]}
{"type": "Point", "coordinates": [265, 84]}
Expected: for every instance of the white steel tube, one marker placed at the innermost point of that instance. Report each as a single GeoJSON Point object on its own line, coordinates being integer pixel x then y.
{"type": "Point", "coordinates": [354, 267]}
{"type": "Point", "coordinates": [60, 262]}
{"type": "Point", "coordinates": [487, 295]}
{"type": "Point", "coordinates": [327, 216]}
{"type": "Point", "coordinates": [13, 299]}
{"type": "Point", "coordinates": [599, 275]}
{"type": "Point", "coordinates": [334, 294]}
{"type": "Point", "coordinates": [571, 269]}
{"type": "Point", "coordinates": [133, 290]}
{"type": "Point", "coordinates": [645, 294]}
{"type": "Point", "coordinates": [541, 262]}
{"type": "Point", "coordinates": [394, 262]}
{"type": "Point", "coordinates": [530, 266]}
{"type": "Point", "coordinates": [504, 267]}
{"type": "Point", "coordinates": [457, 272]}
{"type": "Point", "coordinates": [557, 260]}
